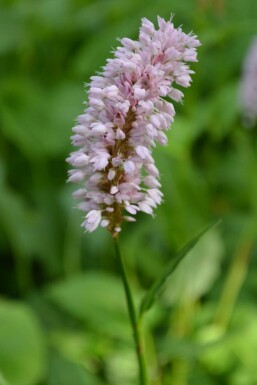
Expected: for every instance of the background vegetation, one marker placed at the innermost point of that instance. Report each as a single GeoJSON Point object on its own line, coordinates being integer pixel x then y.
{"type": "Point", "coordinates": [62, 314]}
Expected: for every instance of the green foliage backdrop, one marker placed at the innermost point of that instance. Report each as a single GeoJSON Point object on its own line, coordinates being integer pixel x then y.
{"type": "Point", "coordinates": [62, 313]}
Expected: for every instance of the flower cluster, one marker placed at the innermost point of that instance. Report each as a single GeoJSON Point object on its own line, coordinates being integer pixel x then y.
{"type": "Point", "coordinates": [127, 113]}
{"type": "Point", "coordinates": [248, 91]}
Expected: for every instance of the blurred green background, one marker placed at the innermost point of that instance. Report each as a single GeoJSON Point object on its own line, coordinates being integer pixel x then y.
{"type": "Point", "coordinates": [63, 319]}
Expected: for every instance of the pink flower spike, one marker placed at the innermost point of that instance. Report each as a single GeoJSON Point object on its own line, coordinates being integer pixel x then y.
{"type": "Point", "coordinates": [126, 115]}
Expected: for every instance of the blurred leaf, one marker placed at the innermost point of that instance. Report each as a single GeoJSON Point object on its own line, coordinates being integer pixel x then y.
{"type": "Point", "coordinates": [225, 105]}
{"type": "Point", "coordinates": [234, 356]}
{"type": "Point", "coordinates": [95, 51]}
{"type": "Point", "coordinates": [78, 346]}
{"type": "Point", "coordinates": [92, 298]}
{"type": "Point", "coordinates": [12, 32]}
{"type": "Point", "coordinates": [2, 380]}
{"type": "Point", "coordinates": [2, 172]}
{"type": "Point", "coordinates": [14, 211]}
{"type": "Point", "coordinates": [121, 367]}
{"type": "Point", "coordinates": [196, 273]}
{"type": "Point", "coordinates": [203, 117]}
{"type": "Point", "coordinates": [22, 350]}
{"type": "Point", "coordinates": [158, 286]}
{"type": "Point", "coordinates": [64, 372]}
{"type": "Point", "coordinates": [171, 348]}
{"type": "Point", "coordinates": [185, 131]}
{"type": "Point", "coordinates": [32, 115]}
{"type": "Point", "coordinates": [146, 238]}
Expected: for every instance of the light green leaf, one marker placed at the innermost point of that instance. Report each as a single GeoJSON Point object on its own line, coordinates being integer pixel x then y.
{"type": "Point", "coordinates": [121, 367]}
{"type": "Point", "coordinates": [158, 286]}
{"type": "Point", "coordinates": [22, 352]}
{"type": "Point", "coordinates": [234, 356]}
{"type": "Point", "coordinates": [196, 274]}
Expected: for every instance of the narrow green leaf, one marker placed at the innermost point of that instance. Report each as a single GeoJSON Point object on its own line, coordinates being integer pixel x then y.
{"type": "Point", "coordinates": [158, 285]}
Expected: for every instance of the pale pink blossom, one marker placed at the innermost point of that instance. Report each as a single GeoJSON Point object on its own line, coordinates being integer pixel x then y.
{"type": "Point", "coordinates": [126, 114]}
{"type": "Point", "coordinates": [93, 219]}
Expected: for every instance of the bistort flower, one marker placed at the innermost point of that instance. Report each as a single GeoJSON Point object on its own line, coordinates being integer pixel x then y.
{"type": "Point", "coordinates": [126, 114]}
{"type": "Point", "coordinates": [248, 90]}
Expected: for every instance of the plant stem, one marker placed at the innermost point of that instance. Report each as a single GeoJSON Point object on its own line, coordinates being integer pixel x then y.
{"type": "Point", "coordinates": [180, 329]}
{"type": "Point", "coordinates": [133, 318]}
{"type": "Point", "coordinates": [233, 284]}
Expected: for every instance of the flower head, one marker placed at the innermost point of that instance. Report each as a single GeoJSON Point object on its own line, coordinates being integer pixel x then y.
{"type": "Point", "coordinates": [248, 90]}
{"type": "Point", "coordinates": [127, 113]}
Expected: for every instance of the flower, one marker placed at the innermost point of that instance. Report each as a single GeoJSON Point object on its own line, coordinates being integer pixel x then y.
{"type": "Point", "coordinates": [127, 113]}
{"type": "Point", "coordinates": [248, 89]}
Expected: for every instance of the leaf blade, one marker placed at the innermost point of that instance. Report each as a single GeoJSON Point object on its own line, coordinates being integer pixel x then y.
{"type": "Point", "coordinates": [158, 285]}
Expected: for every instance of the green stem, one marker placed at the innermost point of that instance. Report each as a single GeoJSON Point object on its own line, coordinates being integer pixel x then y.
{"type": "Point", "coordinates": [233, 284]}
{"type": "Point", "coordinates": [133, 318]}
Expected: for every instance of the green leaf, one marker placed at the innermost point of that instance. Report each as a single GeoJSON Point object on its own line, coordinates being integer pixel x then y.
{"type": "Point", "coordinates": [65, 372]}
{"type": "Point", "coordinates": [90, 297]}
{"type": "Point", "coordinates": [22, 351]}
{"type": "Point", "coordinates": [158, 286]}
{"type": "Point", "coordinates": [233, 356]}
{"type": "Point", "coordinates": [32, 123]}
{"type": "Point", "coordinates": [203, 263]}
{"type": "Point", "coordinates": [2, 380]}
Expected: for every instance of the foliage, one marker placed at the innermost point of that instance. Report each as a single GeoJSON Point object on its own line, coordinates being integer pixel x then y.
{"type": "Point", "coordinates": [62, 310]}
{"type": "Point", "coordinates": [22, 355]}
{"type": "Point", "coordinates": [172, 268]}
